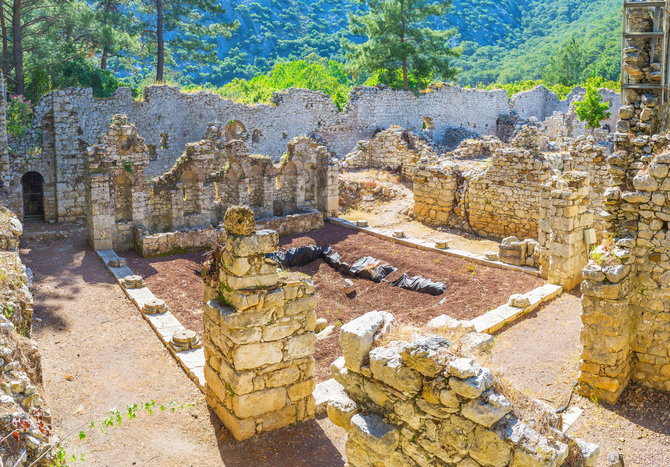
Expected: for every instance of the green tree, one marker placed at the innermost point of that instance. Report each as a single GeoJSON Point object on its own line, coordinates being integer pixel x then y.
{"type": "Point", "coordinates": [117, 28]}
{"type": "Point", "coordinates": [192, 25]}
{"type": "Point", "coordinates": [568, 66]}
{"type": "Point", "coordinates": [399, 46]}
{"type": "Point", "coordinates": [592, 109]}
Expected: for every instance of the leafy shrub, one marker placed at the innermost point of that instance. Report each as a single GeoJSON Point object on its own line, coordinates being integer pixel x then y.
{"type": "Point", "coordinates": [19, 115]}
{"type": "Point", "coordinates": [592, 109]}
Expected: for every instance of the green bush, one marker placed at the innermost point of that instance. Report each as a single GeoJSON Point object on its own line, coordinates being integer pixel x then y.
{"type": "Point", "coordinates": [19, 115]}
{"type": "Point", "coordinates": [592, 109]}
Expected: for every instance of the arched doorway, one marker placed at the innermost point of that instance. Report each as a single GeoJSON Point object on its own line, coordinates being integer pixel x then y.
{"type": "Point", "coordinates": [33, 196]}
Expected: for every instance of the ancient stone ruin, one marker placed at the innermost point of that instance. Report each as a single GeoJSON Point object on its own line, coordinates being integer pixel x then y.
{"type": "Point", "coordinates": [259, 333]}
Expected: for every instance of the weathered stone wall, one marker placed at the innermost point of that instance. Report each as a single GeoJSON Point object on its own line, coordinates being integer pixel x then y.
{"type": "Point", "coordinates": [626, 291]}
{"type": "Point", "coordinates": [564, 216]}
{"type": "Point", "coordinates": [67, 121]}
{"type": "Point", "coordinates": [210, 176]}
{"type": "Point", "coordinates": [259, 333]}
{"type": "Point", "coordinates": [498, 200]}
{"type": "Point", "coordinates": [421, 403]}
{"type": "Point", "coordinates": [166, 243]}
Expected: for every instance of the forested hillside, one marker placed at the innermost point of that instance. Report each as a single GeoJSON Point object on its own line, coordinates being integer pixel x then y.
{"type": "Point", "coordinates": [502, 41]}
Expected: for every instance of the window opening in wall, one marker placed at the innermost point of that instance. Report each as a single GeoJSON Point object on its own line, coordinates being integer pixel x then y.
{"type": "Point", "coordinates": [277, 183]}
{"type": "Point", "coordinates": [256, 136]}
{"type": "Point", "coordinates": [428, 123]}
{"type": "Point", "coordinates": [164, 140]}
{"type": "Point", "coordinates": [33, 196]}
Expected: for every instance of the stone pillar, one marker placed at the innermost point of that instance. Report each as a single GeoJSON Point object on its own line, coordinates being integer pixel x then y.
{"type": "Point", "coordinates": [607, 316]}
{"type": "Point", "coordinates": [566, 215]}
{"type": "Point", "coordinates": [99, 211]}
{"type": "Point", "coordinates": [259, 333]}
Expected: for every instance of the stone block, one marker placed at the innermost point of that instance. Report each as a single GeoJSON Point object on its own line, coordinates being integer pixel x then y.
{"type": "Point", "coordinates": [358, 336]}
{"type": "Point", "coordinates": [374, 433]}
{"type": "Point", "coordinates": [387, 365]}
{"type": "Point", "coordinates": [299, 346]}
{"type": "Point", "coordinates": [260, 402]}
{"type": "Point", "coordinates": [257, 355]}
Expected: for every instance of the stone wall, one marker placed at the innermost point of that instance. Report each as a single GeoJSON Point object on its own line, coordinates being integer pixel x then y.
{"type": "Point", "coordinates": [499, 198]}
{"type": "Point", "coordinates": [68, 121]}
{"type": "Point", "coordinates": [564, 216]}
{"type": "Point", "coordinates": [211, 175]}
{"type": "Point", "coordinates": [419, 402]}
{"type": "Point", "coordinates": [626, 291]}
{"type": "Point", "coordinates": [167, 243]}
{"type": "Point", "coordinates": [259, 333]}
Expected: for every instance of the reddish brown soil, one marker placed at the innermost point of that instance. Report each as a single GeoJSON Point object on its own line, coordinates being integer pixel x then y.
{"type": "Point", "coordinates": [98, 353]}
{"type": "Point", "coordinates": [175, 279]}
{"type": "Point", "coordinates": [472, 289]}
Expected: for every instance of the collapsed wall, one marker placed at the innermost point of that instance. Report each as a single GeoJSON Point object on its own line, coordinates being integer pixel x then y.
{"type": "Point", "coordinates": [24, 419]}
{"type": "Point", "coordinates": [259, 333]}
{"type": "Point", "coordinates": [416, 401]}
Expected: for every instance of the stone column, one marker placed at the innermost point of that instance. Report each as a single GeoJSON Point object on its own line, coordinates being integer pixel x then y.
{"type": "Point", "coordinates": [566, 215]}
{"type": "Point", "coordinates": [259, 333]}
{"type": "Point", "coordinates": [99, 211]}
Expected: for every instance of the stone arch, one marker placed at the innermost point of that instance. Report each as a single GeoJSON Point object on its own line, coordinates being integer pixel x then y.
{"type": "Point", "coordinates": [32, 187]}
{"type": "Point", "coordinates": [234, 130]}
{"type": "Point", "coordinates": [123, 197]}
{"type": "Point", "coordinates": [190, 191]}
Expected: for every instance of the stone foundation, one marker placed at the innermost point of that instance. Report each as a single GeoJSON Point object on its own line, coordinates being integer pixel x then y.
{"type": "Point", "coordinates": [259, 333]}
{"type": "Point", "coordinates": [168, 243]}
{"type": "Point", "coordinates": [418, 403]}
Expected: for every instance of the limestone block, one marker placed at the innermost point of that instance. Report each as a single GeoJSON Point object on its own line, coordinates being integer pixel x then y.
{"type": "Point", "coordinates": [471, 388]}
{"type": "Point", "coordinates": [256, 355]}
{"type": "Point", "coordinates": [486, 412]}
{"type": "Point", "coordinates": [387, 365]}
{"type": "Point", "coordinates": [340, 410]}
{"type": "Point", "coordinates": [464, 368]}
{"type": "Point", "coordinates": [259, 402]}
{"type": "Point", "coordinates": [299, 346]}
{"type": "Point", "coordinates": [358, 336]}
{"type": "Point", "coordinates": [300, 390]}
{"type": "Point", "coordinates": [373, 432]}
{"type": "Point", "coordinates": [488, 449]}
{"type": "Point", "coordinates": [427, 355]}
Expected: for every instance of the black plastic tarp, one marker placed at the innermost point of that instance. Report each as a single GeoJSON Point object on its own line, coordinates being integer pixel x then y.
{"type": "Point", "coordinates": [419, 284]}
{"type": "Point", "coordinates": [366, 268]}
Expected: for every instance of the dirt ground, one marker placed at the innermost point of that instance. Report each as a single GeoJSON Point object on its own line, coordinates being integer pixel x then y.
{"type": "Point", "coordinates": [98, 353]}
{"type": "Point", "coordinates": [472, 289]}
{"type": "Point", "coordinates": [389, 214]}
{"type": "Point", "coordinates": [540, 354]}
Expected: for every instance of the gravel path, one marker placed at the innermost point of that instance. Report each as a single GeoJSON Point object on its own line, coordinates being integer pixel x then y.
{"type": "Point", "coordinates": [98, 353]}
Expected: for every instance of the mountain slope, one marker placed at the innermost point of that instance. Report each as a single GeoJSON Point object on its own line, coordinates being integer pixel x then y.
{"type": "Point", "coordinates": [503, 41]}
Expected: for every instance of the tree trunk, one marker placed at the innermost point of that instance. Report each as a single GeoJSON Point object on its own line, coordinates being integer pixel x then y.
{"type": "Point", "coordinates": [5, 47]}
{"type": "Point", "coordinates": [160, 45]}
{"type": "Point", "coordinates": [19, 79]}
{"type": "Point", "coordinates": [405, 84]}
{"type": "Point", "coordinates": [105, 48]}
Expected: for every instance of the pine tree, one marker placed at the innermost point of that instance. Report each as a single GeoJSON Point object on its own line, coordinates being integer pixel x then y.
{"type": "Point", "coordinates": [192, 25]}
{"type": "Point", "coordinates": [400, 46]}
{"type": "Point", "coordinates": [567, 66]}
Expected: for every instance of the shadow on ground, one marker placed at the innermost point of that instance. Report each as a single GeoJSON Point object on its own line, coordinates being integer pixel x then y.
{"type": "Point", "coordinates": [304, 444]}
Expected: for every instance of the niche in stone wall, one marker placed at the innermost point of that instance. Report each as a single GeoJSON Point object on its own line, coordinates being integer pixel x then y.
{"type": "Point", "coordinates": [191, 192]}
{"type": "Point", "coordinates": [428, 123]}
{"type": "Point", "coordinates": [255, 186]}
{"type": "Point", "coordinates": [235, 130]}
{"type": "Point", "coordinates": [164, 141]}
{"type": "Point", "coordinates": [229, 187]}
{"type": "Point", "coordinates": [256, 136]}
{"type": "Point", "coordinates": [286, 190]}
{"type": "Point", "coordinates": [123, 191]}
